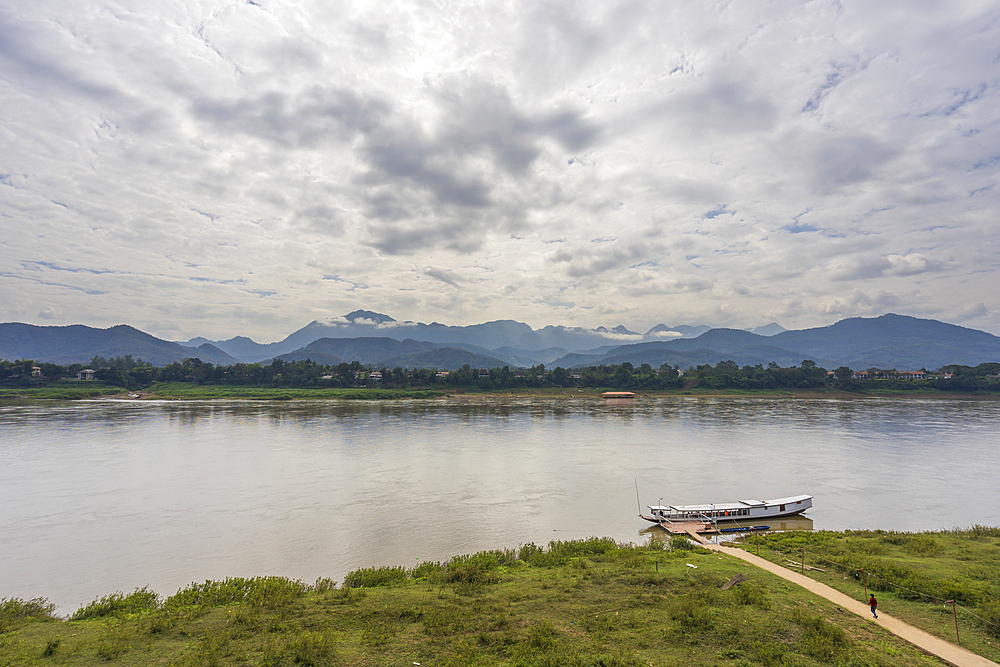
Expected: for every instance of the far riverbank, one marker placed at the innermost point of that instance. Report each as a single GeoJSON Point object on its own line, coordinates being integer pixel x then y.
{"type": "Point", "coordinates": [194, 391]}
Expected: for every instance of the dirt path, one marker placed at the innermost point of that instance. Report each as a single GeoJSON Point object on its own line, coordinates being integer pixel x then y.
{"type": "Point", "coordinates": [950, 653]}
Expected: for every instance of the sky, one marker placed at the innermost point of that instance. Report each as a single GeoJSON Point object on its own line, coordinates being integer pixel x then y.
{"type": "Point", "coordinates": [243, 167]}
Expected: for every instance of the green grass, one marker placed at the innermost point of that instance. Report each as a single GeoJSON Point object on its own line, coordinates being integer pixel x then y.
{"type": "Point", "coordinates": [189, 390]}
{"type": "Point", "coordinates": [579, 603]}
{"type": "Point", "coordinates": [911, 574]}
{"type": "Point", "coordinates": [62, 390]}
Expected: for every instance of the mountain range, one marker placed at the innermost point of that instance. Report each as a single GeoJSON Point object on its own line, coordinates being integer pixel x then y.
{"type": "Point", "coordinates": [77, 344]}
{"type": "Point", "coordinates": [486, 336]}
{"type": "Point", "coordinates": [888, 341]}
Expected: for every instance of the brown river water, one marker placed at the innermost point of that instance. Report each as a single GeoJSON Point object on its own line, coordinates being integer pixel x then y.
{"type": "Point", "coordinates": [105, 496]}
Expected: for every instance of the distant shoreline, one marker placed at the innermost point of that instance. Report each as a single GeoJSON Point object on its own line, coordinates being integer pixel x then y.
{"type": "Point", "coordinates": [194, 392]}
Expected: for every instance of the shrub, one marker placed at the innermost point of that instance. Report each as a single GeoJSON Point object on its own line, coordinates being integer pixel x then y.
{"type": "Point", "coordinates": [15, 609]}
{"type": "Point", "coordinates": [257, 591]}
{"type": "Point", "coordinates": [528, 551]}
{"type": "Point", "coordinates": [274, 592]}
{"type": "Point", "coordinates": [592, 546]}
{"type": "Point", "coordinates": [477, 569]}
{"type": "Point", "coordinates": [324, 584]}
{"type": "Point", "coordinates": [426, 570]}
{"type": "Point", "coordinates": [119, 604]}
{"type": "Point", "coordinates": [372, 577]}
{"type": "Point", "coordinates": [680, 543]}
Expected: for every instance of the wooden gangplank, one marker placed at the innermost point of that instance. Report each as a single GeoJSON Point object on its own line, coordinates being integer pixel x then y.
{"type": "Point", "coordinates": [694, 534]}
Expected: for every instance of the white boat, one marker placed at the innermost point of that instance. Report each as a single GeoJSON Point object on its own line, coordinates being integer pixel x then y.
{"type": "Point", "coordinates": [743, 510]}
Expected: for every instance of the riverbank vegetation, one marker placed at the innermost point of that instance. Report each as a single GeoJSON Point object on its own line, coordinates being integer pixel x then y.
{"type": "Point", "coordinates": [578, 603]}
{"type": "Point", "coordinates": [306, 379]}
{"type": "Point", "coordinates": [914, 575]}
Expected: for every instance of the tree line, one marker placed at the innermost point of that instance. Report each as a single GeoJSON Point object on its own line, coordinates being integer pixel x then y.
{"type": "Point", "coordinates": [131, 373]}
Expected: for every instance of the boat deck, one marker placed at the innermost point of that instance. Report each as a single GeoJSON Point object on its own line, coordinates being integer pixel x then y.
{"type": "Point", "coordinates": [685, 527]}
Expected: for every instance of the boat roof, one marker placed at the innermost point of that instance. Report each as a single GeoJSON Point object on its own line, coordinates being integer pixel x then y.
{"type": "Point", "coordinates": [731, 506]}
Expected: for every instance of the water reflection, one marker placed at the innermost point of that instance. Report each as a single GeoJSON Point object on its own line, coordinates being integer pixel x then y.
{"type": "Point", "coordinates": [104, 495]}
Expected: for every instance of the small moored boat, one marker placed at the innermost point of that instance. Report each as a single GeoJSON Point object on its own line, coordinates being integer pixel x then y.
{"type": "Point", "coordinates": [745, 529]}
{"type": "Point", "coordinates": [742, 510]}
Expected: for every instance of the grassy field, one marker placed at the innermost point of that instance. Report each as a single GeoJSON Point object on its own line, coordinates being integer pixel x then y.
{"type": "Point", "coordinates": [62, 390]}
{"type": "Point", "coordinates": [583, 603]}
{"type": "Point", "coordinates": [913, 575]}
{"type": "Point", "coordinates": [68, 390]}
{"type": "Point", "coordinates": [189, 390]}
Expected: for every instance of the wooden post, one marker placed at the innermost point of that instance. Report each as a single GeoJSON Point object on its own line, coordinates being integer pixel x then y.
{"type": "Point", "coordinates": [756, 534]}
{"type": "Point", "coordinates": [864, 580]}
{"type": "Point", "coordinates": [803, 563]}
{"type": "Point", "coordinates": [955, 614]}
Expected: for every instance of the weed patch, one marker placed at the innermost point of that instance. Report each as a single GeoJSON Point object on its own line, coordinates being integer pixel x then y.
{"type": "Point", "coordinates": [119, 604]}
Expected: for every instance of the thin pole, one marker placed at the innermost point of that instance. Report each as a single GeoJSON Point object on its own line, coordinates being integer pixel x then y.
{"type": "Point", "coordinates": [803, 563]}
{"type": "Point", "coordinates": [955, 614]}
{"type": "Point", "coordinates": [637, 503]}
{"type": "Point", "coordinates": [756, 534]}
{"type": "Point", "coordinates": [864, 580]}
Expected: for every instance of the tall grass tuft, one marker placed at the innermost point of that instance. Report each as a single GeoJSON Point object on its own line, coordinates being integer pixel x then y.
{"type": "Point", "coordinates": [16, 609]}
{"type": "Point", "coordinates": [373, 577]}
{"type": "Point", "coordinates": [118, 604]}
{"type": "Point", "coordinates": [258, 591]}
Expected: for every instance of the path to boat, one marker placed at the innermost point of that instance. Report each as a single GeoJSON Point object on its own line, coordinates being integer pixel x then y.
{"type": "Point", "coordinates": [950, 653]}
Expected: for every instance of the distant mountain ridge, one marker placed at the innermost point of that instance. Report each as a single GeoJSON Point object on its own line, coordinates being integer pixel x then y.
{"type": "Point", "coordinates": [488, 335]}
{"type": "Point", "coordinates": [888, 341]}
{"type": "Point", "coordinates": [77, 344]}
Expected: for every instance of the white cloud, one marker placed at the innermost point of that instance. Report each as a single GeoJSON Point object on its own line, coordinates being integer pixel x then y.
{"type": "Point", "coordinates": [273, 162]}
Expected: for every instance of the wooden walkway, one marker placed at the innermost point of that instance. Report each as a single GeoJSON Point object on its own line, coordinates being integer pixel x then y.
{"type": "Point", "coordinates": [685, 527]}
{"type": "Point", "coordinates": [950, 653]}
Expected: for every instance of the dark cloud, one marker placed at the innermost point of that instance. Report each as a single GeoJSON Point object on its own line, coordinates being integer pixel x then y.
{"type": "Point", "coordinates": [420, 185]}
{"type": "Point", "coordinates": [446, 277]}
{"type": "Point", "coordinates": [306, 120]}
{"type": "Point", "coordinates": [594, 262]}
{"type": "Point", "coordinates": [25, 60]}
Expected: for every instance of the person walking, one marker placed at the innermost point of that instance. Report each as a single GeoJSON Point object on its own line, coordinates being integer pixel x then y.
{"type": "Point", "coordinates": [873, 603]}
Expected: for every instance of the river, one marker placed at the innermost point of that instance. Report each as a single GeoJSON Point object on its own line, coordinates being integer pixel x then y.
{"type": "Point", "coordinates": [106, 496]}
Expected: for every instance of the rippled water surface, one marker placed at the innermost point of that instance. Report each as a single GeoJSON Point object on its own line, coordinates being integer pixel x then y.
{"type": "Point", "coordinates": [103, 496]}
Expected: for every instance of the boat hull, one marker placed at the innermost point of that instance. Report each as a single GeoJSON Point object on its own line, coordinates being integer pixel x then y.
{"type": "Point", "coordinates": [743, 510]}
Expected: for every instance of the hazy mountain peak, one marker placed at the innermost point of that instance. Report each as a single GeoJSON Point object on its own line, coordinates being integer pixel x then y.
{"type": "Point", "coordinates": [771, 329]}
{"type": "Point", "coordinates": [378, 318]}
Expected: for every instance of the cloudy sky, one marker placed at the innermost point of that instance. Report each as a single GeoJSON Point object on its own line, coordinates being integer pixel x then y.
{"type": "Point", "coordinates": [223, 167]}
